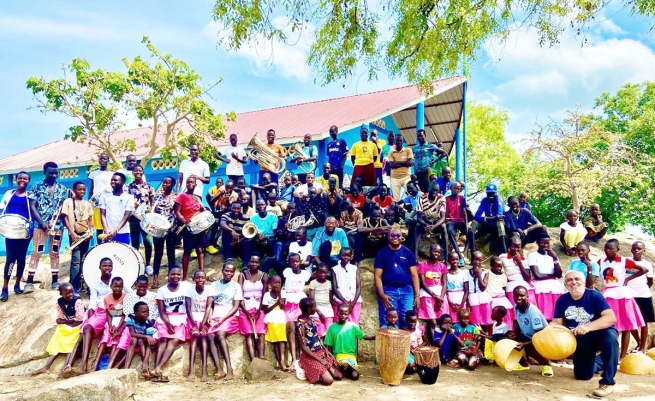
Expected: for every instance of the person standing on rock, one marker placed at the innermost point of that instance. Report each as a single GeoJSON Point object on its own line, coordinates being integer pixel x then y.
{"type": "Point", "coordinates": [396, 278]}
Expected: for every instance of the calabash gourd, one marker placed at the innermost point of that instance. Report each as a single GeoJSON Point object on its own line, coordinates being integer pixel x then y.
{"type": "Point", "coordinates": [554, 343]}
{"type": "Point", "coordinates": [506, 355]}
{"type": "Point", "coordinates": [637, 364]}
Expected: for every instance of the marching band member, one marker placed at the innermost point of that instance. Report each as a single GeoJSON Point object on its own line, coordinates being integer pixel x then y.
{"type": "Point", "coordinates": [100, 183]}
{"type": "Point", "coordinates": [79, 221]}
{"type": "Point", "coordinates": [164, 205]}
{"type": "Point", "coordinates": [279, 150]}
{"type": "Point", "coordinates": [143, 193]}
{"type": "Point", "coordinates": [46, 199]}
{"type": "Point", "coordinates": [266, 224]}
{"type": "Point", "coordinates": [235, 157]}
{"type": "Point", "coordinates": [219, 200]}
{"type": "Point", "coordinates": [234, 243]}
{"type": "Point", "coordinates": [15, 201]}
{"type": "Point", "coordinates": [187, 205]}
{"type": "Point", "coordinates": [304, 163]}
{"type": "Point", "coordinates": [116, 208]}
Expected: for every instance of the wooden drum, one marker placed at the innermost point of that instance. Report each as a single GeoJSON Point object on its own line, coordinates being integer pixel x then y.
{"type": "Point", "coordinates": [427, 364]}
{"type": "Point", "coordinates": [392, 350]}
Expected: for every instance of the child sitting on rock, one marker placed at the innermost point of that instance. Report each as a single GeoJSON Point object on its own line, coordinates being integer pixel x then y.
{"type": "Point", "coordinates": [142, 331]}
{"type": "Point", "coordinates": [70, 312]}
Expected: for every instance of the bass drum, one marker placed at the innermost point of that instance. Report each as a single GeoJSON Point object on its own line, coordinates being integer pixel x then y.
{"type": "Point", "coordinates": [128, 263]}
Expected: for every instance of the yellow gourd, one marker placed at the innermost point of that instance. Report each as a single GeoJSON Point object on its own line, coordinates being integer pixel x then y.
{"type": "Point", "coordinates": [506, 356]}
{"type": "Point", "coordinates": [651, 353]}
{"type": "Point", "coordinates": [554, 342]}
{"type": "Point", "coordinates": [637, 364]}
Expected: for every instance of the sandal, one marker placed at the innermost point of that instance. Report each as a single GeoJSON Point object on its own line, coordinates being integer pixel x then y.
{"type": "Point", "coordinates": [452, 364]}
{"type": "Point", "coordinates": [520, 368]}
{"type": "Point", "coordinates": [159, 379]}
{"type": "Point", "coordinates": [547, 371]}
{"type": "Point", "coordinates": [155, 285]}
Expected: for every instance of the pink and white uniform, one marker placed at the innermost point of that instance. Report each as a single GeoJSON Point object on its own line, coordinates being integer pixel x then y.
{"type": "Point", "coordinates": [619, 297]}
{"type": "Point", "coordinates": [252, 299]}
{"type": "Point", "coordinates": [546, 291]}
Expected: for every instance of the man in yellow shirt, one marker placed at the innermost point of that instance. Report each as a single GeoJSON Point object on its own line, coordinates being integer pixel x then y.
{"type": "Point", "coordinates": [363, 155]}
{"type": "Point", "coordinates": [378, 163]}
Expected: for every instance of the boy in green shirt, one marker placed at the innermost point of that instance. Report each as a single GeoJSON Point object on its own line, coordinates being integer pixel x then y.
{"type": "Point", "coordinates": [341, 340]}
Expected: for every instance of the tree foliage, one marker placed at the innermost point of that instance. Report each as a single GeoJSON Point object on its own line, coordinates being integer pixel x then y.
{"type": "Point", "coordinates": [425, 40]}
{"type": "Point", "coordinates": [163, 94]}
{"type": "Point", "coordinates": [490, 157]}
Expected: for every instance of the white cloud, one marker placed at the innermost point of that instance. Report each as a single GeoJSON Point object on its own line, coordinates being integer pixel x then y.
{"type": "Point", "coordinates": [48, 28]}
{"type": "Point", "coordinates": [288, 59]}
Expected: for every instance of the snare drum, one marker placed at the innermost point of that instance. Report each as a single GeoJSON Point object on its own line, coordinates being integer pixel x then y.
{"type": "Point", "coordinates": [155, 224]}
{"type": "Point", "coordinates": [14, 226]}
{"type": "Point", "coordinates": [128, 263]}
{"type": "Point", "coordinates": [201, 222]}
{"type": "Point", "coordinates": [140, 212]}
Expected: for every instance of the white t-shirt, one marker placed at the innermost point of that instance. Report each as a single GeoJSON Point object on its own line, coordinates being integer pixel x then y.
{"type": "Point", "coordinates": [304, 251]}
{"type": "Point", "coordinates": [198, 301]}
{"type": "Point", "coordinates": [174, 303]}
{"type": "Point", "coordinates": [115, 208]}
{"type": "Point", "coordinates": [233, 167]}
{"type": "Point", "coordinates": [321, 291]}
{"type": "Point", "coordinates": [224, 296]}
{"type": "Point", "coordinates": [500, 329]}
{"type": "Point", "coordinates": [496, 284]}
{"type": "Point", "coordinates": [640, 284]}
{"type": "Point", "coordinates": [544, 263]}
{"type": "Point", "coordinates": [346, 281]}
{"type": "Point", "coordinates": [303, 189]}
{"type": "Point", "coordinates": [295, 284]}
{"type": "Point", "coordinates": [101, 181]}
{"type": "Point", "coordinates": [199, 168]}
{"type": "Point", "coordinates": [276, 315]}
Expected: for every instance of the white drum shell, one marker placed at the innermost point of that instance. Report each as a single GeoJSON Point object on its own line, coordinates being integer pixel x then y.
{"type": "Point", "coordinates": [155, 225]}
{"type": "Point", "coordinates": [14, 226]}
{"type": "Point", "coordinates": [201, 222]}
{"type": "Point", "coordinates": [128, 263]}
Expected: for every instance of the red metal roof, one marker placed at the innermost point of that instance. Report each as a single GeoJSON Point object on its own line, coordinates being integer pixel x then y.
{"type": "Point", "coordinates": [290, 123]}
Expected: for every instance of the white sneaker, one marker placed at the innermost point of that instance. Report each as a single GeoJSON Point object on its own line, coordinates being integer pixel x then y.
{"type": "Point", "coordinates": [149, 271]}
{"type": "Point", "coordinates": [603, 390]}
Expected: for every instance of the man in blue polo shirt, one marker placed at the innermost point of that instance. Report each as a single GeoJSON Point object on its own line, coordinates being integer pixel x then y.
{"type": "Point", "coordinates": [490, 218]}
{"type": "Point", "coordinates": [396, 278]}
{"type": "Point", "coordinates": [529, 320]}
{"type": "Point", "coordinates": [423, 154]}
{"type": "Point", "coordinates": [337, 150]}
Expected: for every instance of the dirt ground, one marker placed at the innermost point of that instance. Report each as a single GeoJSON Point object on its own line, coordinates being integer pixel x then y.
{"type": "Point", "coordinates": [486, 383]}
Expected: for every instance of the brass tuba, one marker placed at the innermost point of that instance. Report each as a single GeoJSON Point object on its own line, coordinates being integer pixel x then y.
{"type": "Point", "coordinates": [249, 230]}
{"type": "Point", "coordinates": [296, 151]}
{"type": "Point", "coordinates": [263, 155]}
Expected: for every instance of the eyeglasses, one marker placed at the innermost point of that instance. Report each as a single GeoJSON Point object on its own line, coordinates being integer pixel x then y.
{"type": "Point", "coordinates": [395, 235]}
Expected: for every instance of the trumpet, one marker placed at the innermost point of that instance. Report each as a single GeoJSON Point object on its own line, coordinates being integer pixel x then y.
{"type": "Point", "coordinates": [249, 230]}
{"type": "Point", "coordinates": [266, 157]}
{"type": "Point", "coordinates": [296, 151]}
{"type": "Point", "coordinates": [81, 239]}
{"type": "Point", "coordinates": [55, 217]}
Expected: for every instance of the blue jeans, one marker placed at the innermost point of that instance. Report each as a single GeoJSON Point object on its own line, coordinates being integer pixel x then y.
{"type": "Point", "coordinates": [585, 361]}
{"type": "Point", "coordinates": [402, 298]}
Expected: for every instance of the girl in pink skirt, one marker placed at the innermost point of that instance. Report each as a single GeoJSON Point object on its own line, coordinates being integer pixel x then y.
{"type": "Point", "coordinates": [227, 297]}
{"type": "Point", "coordinates": [517, 271]}
{"type": "Point", "coordinates": [254, 284]}
{"type": "Point", "coordinates": [346, 286]}
{"type": "Point", "coordinates": [456, 286]}
{"type": "Point", "coordinates": [320, 290]}
{"type": "Point", "coordinates": [295, 280]}
{"type": "Point", "coordinates": [115, 336]}
{"type": "Point", "coordinates": [546, 270]}
{"type": "Point", "coordinates": [496, 283]}
{"type": "Point", "coordinates": [172, 325]}
{"type": "Point", "coordinates": [433, 276]}
{"type": "Point", "coordinates": [617, 271]}
{"type": "Point", "coordinates": [479, 299]}
{"type": "Point", "coordinates": [198, 305]}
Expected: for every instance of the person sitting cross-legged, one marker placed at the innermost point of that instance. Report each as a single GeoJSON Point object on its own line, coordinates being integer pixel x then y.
{"type": "Point", "coordinates": [371, 235]}
{"type": "Point", "coordinates": [266, 224]}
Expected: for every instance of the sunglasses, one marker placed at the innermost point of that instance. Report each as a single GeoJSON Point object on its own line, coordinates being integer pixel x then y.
{"type": "Point", "coordinates": [395, 235]}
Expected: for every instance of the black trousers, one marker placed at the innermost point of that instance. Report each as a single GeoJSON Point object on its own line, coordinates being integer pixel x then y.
{"type": "Point", "coordinates": [16, 254]}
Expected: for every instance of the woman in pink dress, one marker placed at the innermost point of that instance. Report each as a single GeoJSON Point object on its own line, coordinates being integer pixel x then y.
{"type": "Point", "coordinates": [546, 271]}
{"type": "Point", "coordinates": [253, 284]}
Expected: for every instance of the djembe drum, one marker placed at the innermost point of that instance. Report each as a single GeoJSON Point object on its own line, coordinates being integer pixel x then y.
{"type": "Point", "coordinates": [427, 364]}
{"type": "Point", "coordinates": [392, 351]}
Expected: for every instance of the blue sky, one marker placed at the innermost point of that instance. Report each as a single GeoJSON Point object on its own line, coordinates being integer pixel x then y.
{"type": "Point", "coordinates": [532, 83]}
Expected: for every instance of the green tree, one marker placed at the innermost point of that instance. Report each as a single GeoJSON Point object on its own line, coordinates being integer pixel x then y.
{"type": "Point", "coordinates": [419, 40]}
{"type": "Point", "coordinates": [577, 159]}
{"type": "Point", "coordinates": [630, 113]}
{"type": "Point", "coordinates": [490, 157]}
{"type": "Point", "coordinates": [164, 95]}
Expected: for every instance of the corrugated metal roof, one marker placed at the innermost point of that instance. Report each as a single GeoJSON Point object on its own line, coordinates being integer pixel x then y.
{"type": "Point", "coordinates": [442, 114]}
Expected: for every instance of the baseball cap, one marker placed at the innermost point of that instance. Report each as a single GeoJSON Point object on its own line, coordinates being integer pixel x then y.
{"type": "Point", "coordinates": [492, 188]}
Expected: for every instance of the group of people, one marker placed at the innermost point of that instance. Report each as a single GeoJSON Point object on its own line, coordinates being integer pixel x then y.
{"type": "Point", "coordinates": [313, 230]}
